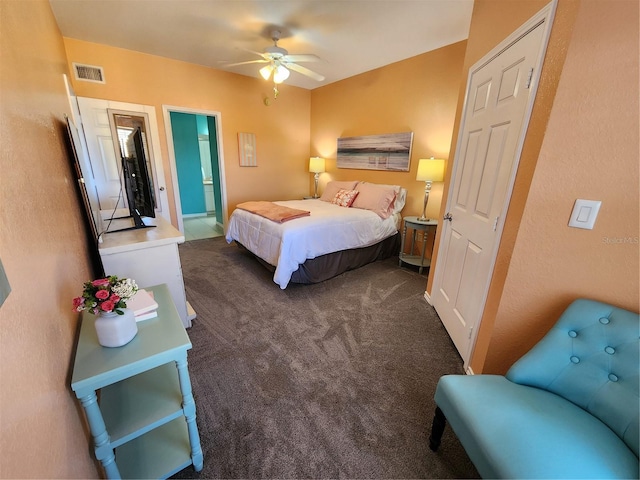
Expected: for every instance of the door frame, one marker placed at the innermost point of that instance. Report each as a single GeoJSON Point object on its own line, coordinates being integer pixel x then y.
{"type": "Point", "coordinates": [545, 18]}
{"type": "Point", "coordinates": [166, 112]}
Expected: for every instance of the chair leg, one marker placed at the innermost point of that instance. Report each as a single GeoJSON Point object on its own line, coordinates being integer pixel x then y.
{"type": "Point", "coordinates": [437, 428]}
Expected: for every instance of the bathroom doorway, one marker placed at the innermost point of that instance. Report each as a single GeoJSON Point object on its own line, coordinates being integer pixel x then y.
{"type": "Point", "coordinates": [197, 167]}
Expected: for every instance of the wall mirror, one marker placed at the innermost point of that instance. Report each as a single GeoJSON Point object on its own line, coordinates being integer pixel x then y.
{"type": "Point", "coordinates": [138, 194]}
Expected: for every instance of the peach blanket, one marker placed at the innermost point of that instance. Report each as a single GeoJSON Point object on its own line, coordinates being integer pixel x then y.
{"type": "Point", "coordinates": [272, 211]}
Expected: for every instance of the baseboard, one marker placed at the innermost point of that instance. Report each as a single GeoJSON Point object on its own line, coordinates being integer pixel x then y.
{"type": "Point", "coordinates": [470, 371]}
{"type": "Point", "coordinates": [427, 297]}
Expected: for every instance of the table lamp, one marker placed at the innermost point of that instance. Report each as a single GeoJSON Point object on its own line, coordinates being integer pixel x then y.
{"type": "Point", "coordinates": [429, 170]}
{"type": "Point", "coordinates": [316, 165]}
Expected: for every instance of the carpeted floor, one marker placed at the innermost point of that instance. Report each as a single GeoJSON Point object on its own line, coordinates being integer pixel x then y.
{"type": "Point", "coordinates": [332, 380]}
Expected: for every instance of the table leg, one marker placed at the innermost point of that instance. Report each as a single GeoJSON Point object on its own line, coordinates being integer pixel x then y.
{"type": "Point", "coordinates": [404, 235]}
{"type": "Point", "coordinates": [424, 247]}
{"type": "Point", "coordinates": [189, 407]}
{"type": "Point", "coordinates": [413, 240]}
{"type": "Point", "coordinates": [102, 443]}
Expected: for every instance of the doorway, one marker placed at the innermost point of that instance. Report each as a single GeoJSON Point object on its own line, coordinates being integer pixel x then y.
{"type": "Point", "coordinates": [195, 145]}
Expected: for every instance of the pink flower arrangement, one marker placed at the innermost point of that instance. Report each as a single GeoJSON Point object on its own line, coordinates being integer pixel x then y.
{"type": "Point", "coordinates": [105, 295]}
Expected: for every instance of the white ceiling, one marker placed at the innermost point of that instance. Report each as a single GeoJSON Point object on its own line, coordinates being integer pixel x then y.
{"type": "Point", "coordinates": [349, 36]}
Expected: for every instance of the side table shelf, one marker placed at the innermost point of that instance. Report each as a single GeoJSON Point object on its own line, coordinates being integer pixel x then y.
{"type": "Point", "coordinates": [416, 225]}
{"type": "Point", "coordinates": [141, 403]}
{"type": "Point", "coordinates": [144, 425]}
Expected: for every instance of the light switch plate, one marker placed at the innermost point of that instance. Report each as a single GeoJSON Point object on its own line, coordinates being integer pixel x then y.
{"type": "Point", "coordinates": [584, 213]}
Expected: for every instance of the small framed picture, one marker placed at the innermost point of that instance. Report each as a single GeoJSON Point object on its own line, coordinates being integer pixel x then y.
{"type": "Point", "coordinates": [247, 149]}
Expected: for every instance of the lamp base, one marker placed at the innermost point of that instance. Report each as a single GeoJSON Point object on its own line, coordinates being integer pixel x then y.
{"type": "Point", "coordinates": [427, 189]}
{"type": "Point", "coordinates": [315, 182]}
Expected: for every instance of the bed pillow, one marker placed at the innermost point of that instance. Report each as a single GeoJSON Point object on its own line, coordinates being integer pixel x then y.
{"type": "Point", "coordinates": [377, 198]}
{"type": "Point", "coordinates": [334, 187]}
{"type": "Point", "coordinates": [344, 198]}
{"type": "Point", "coordinates": [401, 196]}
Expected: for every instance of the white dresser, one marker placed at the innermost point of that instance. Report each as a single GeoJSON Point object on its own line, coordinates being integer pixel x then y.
{"type": "Point", "coordinates": [149, 256]}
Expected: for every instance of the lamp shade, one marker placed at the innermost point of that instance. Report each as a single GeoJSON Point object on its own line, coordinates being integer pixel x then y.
{"type": "Point", "coordinates": [280, 74]}
{"type": "Point", "coordinates": [430, 170]}
{"type": "Point", "coordinates": [316, 164]}
{"type": "Point", "coordinates": [265, 71]}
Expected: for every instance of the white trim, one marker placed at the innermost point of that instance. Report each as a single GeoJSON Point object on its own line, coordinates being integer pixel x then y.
{"type": "Point", "coordinates": [166, 110]}
{"type": "Point", "coordinates": [427, 297]}
{"type": "Point", "coordinates": [469, 371]}
{"type": "Point", "coordinates": [543, 17]}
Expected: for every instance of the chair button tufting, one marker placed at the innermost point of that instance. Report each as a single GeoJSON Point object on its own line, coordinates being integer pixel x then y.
{"type": "Point", "coordinates": [604, 320]}
{"type": "Point", "coordinates": [613, 378]}
{"type": "Point", "coordinates": [575, 359]}
{"type": "Point", "coordinates": [573, 333]}
{"type": "Point", "coordinates": [610, 350]}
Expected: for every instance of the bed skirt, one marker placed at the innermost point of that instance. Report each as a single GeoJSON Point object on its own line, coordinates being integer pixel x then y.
{"type": "Point", "coordinates": [324, 267]}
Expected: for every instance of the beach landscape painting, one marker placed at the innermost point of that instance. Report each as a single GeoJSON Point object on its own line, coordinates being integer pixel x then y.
{"type": "Point", "coordinates": [391, 152]}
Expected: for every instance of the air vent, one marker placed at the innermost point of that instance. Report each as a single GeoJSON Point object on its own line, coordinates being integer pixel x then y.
{"type": "Point", "coordinates": [89, 73]}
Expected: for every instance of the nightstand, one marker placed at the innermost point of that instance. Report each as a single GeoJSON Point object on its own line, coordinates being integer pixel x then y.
{"type": "Point", "coordinates": [417, 226]}
{"type": "Point", "coordinates": [144, 423]}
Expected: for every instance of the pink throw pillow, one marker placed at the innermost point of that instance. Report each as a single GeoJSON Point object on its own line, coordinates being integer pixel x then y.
{"type": "Point", "coordinates": [345, 198]}
{"type": "Point", "coordinates": [334, 187]}
{"type": "Point", "coordinates": [378, 199]}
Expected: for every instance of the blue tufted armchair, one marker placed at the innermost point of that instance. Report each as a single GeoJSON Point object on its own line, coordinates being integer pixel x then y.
{"type": "Point", "coordinates": [568, 409]}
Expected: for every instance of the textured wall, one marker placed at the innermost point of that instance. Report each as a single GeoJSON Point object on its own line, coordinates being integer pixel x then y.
{"type": "Point", "coordinates": [590, 151]}
{"type": "Point", "coordinates": [281, 129]}
{"type": "Point", "coordinates": [43, 250]}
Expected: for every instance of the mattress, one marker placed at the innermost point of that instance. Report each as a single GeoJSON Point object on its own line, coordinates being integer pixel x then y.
{"type": "Point", "coordinates": [329, 228]}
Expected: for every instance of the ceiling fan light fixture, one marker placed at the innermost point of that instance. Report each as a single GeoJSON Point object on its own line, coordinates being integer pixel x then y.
{"type": "Point", "coordinates": [265, 71]}
{"type": "Point", "coordinates": [281, 74]}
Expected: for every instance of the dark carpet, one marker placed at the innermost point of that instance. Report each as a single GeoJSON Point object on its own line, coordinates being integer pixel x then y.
{"type": "Point", "coordinates": [332, 380]}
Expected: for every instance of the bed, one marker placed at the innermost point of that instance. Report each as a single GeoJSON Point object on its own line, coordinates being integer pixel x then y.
{"type": "Point", "coordinates": [332, 238]}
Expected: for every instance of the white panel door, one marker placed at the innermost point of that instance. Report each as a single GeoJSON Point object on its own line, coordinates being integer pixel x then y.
{"type": "Point", "coordinates": [102, 154]}
{"type": "Point", "coordinates": [497, 107]}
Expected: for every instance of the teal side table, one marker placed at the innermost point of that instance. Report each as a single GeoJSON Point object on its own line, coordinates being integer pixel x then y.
{"type": "Point", "coordinates": [144, 425]}
{"type": "Point", "coordinates": [416, 225]}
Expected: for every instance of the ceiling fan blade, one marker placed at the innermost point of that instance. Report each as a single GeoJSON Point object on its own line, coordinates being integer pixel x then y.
{"type": "Point", "coordinates": [304, 71]}
{"type": "Point", "coordinates": [303, 57]}
{"type": "Point", "coordinates": [260, 54]}
{"type": "Point", "coordinates": [246, 63]}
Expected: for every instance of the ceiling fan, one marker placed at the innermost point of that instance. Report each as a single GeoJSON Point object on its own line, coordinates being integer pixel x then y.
{"type": "Point", "coordinates": [279, 62]}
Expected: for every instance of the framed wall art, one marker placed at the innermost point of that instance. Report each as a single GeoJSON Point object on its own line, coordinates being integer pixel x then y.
{"type": "Point", "coordinates": [247, 149]}
{"type": "Point", "coordinates": [391, 152]}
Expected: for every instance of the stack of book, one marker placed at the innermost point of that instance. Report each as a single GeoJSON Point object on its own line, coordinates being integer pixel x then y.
{"type": "Point", "coordinates": [143, 305]}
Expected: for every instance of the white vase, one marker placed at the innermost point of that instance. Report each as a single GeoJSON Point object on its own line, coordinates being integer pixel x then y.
{"type": "Point", "coordinates": [116, 330]}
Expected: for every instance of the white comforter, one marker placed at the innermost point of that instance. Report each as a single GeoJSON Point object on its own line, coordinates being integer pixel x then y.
{"type": "Point", "coordinates": [328, 229]}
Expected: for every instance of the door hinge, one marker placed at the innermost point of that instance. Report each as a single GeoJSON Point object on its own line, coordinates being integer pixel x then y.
{"type": "Point", "coordinates": [470, 332]}
{"type": "Point", "coordinates": [529, 78]}
{"type": "Point", "coordinates": [495, 223]}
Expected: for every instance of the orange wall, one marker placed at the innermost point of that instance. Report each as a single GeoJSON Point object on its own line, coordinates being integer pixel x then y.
{"type": "Point", "coordinates": [281, 129]}
{"type": "Point", "coordinates": [44, 253]}
{"type": "Point", "coordinates": [590, 151]}
{"type": "Point", "coordinates": [417, 95]}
